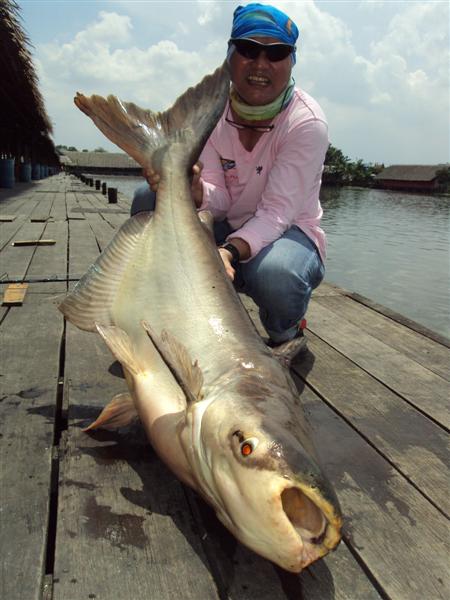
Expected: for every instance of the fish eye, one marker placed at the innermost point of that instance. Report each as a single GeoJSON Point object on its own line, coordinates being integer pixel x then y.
{"type": "Point", "coordinates": [248, 445]}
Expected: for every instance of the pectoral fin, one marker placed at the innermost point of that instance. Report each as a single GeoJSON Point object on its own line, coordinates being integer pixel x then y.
{"type": "Point", "coordinates": [186, 372]}
{"type": "Point", "coordinates": [288, 351]}
{"type": "Point", "coordinates": [118, 413]}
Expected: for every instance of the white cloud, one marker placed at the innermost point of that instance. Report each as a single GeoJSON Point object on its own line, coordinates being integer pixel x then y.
{"type": "Point", "coordinates": [376, 94]}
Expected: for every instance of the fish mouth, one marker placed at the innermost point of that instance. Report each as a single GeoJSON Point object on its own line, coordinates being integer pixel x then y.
{"type": "Point", "coordinates": [318, 532]}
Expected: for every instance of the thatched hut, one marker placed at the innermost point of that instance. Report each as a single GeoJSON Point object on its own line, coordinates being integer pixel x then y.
{"type": "Point", "coordinates": [418, 178]}
{"type": "Point", "coordinates": [25, 128]}
{"type": "Point", "coordinates": [106, 163]}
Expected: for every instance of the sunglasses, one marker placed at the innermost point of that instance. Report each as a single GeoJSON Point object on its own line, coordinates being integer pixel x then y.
{"type": "Point", "coordinates": [251, 49]}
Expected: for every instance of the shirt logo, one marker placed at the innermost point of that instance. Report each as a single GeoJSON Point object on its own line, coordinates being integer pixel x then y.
{"type": "Point", "coordinates": [227, 163]}
{"type": "Point", "coordinates": [259, 169]}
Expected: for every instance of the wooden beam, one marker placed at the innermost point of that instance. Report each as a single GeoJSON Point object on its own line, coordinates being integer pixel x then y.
{"type": "Point", "coordinates": [33, 243]}
{"type": "Point", "coordinates": [14, 294]}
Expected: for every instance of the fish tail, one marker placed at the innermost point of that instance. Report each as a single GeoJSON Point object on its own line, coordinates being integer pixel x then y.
{"type": "Point", "coordinates": [146, 135]}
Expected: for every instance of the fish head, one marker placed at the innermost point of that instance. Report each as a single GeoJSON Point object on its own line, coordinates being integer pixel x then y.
{"type": "Point", "coordinates": [258, 471]}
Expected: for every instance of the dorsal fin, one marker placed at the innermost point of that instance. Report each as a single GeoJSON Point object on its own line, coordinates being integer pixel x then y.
{"type": "Point", "coordinates": [186, 372]}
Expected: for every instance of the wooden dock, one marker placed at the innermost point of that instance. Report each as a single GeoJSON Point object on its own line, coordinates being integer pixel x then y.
{"type": "Point", "coordinates": [100, 517]}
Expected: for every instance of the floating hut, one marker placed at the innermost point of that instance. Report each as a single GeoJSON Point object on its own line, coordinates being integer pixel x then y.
{"type": "Point", "coordinates": [106, 163]}
{"type": "Point", "coordinates": [26, 149]}
{"type": "Point", "coordinates": [417, 178]}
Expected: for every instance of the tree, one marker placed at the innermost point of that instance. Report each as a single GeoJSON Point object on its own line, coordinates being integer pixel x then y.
{"type": "Point", "coordinates": [99, 149]}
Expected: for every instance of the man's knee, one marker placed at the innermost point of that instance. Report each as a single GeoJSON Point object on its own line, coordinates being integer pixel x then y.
{"type": "Point", "coordinates": [143, 199]}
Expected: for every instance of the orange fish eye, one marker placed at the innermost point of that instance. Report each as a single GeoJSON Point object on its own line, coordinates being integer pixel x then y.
{"type": "Point", "coordinates": [246, 449]}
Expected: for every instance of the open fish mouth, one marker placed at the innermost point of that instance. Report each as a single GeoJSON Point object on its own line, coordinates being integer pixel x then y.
{"type": "Point", "coordinates": [317, 535]}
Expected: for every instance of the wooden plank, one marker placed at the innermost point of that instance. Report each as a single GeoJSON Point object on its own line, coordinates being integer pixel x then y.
{"type": "Point", "coordinates": [83, 248]}
{"type": "Point", "coordinates": [59, 211]}
{"type": "Point", "coordinates": [51, 261]}
{"type": "Point", "coordinates": [14, 294]}
{"type": "Point", "coordinates": [102, 230]}
{"type": "Point", "coordinates": [42, 210]}
{"type": "Point", "coordinates": [28, 400]}
{"type": "Point", "coordinates": [14, 261]}
{"type": "Point", "coordinates": [7, 218]}
{"type": "Point", "coordinates": [72, 202]}
{"type": "Point", "coordinates": [420, 386]}
{"type": "Point", "coordinates": [41, 242]}
{"type": "Point", "coordinates": [233, 566]}
{"type": "Point", "coordinates": [124, 528]}
{"type": "Point", "coordinates": [399, 536]}
{"type": "Point", "coordinates": [421, 349]}
{"type": "Point", "coordinates": [409, 440]}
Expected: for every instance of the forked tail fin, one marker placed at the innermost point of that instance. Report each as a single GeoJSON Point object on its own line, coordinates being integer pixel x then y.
{"type": "Point", "coordinates": [141, 132]}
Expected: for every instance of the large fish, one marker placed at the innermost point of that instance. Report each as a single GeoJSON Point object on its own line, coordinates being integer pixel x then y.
{"type": "Point", "coordinates": [219, 407]}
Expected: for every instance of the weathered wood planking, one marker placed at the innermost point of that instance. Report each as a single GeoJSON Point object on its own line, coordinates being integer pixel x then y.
{"type": "Point", "coordinates": [125, 529]}
{"type": "Point", "coordinates": [101, 229]}
{"type": "Point", "coordinates": [83, 248]}
{"type": "Point", "coordinates": [391, 526]}
{"type": "Point", "coordinates": [407, 438]}
{"type": "Point", "coordinates": [43, 209]}
{"type": "Point", "coordinates": [420, 386]}
{"type": "Point", "coordinates": [28, 400]}
{"type": "Point", "coordinates": [59, 210]}
{"type": "Point", "coordinates": [338, 576]}
{"type": "Point", "coordinates": [15, 260]}
{"type": "Point", "coordinates": [51, 261]}
{"type": "Point", "coordinates": [71, 203]}
{"type": "Point", "coordinates": [419, 348]}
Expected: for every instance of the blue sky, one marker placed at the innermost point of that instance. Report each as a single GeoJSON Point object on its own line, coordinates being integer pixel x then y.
{"type": "Point", "coordinates": [380, 69]}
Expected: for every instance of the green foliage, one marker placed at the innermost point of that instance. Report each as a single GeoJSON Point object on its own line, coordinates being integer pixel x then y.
{"type": "Point", "coordinates": [99, 149]}
{"type": "Point", "coordinates": [340, 170]}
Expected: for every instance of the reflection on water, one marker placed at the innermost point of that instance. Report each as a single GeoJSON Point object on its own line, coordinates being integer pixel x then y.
{"type": "Point", "coordinates": [391, 247]}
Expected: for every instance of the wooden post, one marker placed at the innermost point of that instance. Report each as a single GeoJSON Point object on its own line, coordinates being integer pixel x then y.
{"type": "Point", "coordinates": [112, 195]}
{"type": "Point", "coordinates": [104, 188]}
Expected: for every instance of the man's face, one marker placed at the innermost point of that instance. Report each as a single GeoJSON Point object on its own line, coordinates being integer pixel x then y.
{"type": "Point", "coordinates": [259, 81]}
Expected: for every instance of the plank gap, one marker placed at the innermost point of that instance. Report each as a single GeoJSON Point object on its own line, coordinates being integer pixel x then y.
{"type": "Point", "coordinates": [386, 385]}
{"type": "Point", "coordinates": [300, 380]}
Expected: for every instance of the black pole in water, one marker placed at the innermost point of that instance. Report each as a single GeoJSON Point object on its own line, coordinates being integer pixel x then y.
{"type": "Point", "coordinates": [112, 195]}
{"type": "Point", "coordinates": [104, 188]}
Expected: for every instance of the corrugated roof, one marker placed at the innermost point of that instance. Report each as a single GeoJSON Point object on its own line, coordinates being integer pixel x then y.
{"type": "Point", "coordinates": [410, 172]}
{"type": "Point", "coordinates": [101, 160]}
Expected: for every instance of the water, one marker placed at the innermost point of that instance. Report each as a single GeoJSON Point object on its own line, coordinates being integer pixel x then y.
{"type": "Point", "coordinates": [391, 247]}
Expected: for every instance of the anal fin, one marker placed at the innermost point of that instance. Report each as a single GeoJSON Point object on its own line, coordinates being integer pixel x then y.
{"type": "Point", "coordinates": [118, 413]}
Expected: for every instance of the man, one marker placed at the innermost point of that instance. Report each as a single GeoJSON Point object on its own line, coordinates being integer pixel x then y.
{"type": "Point", "coordinates": [260, 174]}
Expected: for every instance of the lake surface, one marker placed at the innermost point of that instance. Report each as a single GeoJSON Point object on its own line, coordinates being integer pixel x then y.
{"type": "Point", "coordinates": [389, 246]}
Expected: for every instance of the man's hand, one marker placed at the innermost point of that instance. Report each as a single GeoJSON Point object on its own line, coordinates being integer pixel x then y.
{"type": "Point", "coordinates": [153, 180]}
{"type": "Point", "coordinates": [227, 257]}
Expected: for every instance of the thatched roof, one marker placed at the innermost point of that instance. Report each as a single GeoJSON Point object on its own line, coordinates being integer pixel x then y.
{"type": "Point", "coordinates": [409, 172]}
{"type": "Point", "coordinates": [99, 160]}
{"type": "Point", "coordinates": [23, 118]}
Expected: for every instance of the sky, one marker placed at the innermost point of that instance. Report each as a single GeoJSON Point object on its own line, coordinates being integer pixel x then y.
{"type": "Point", "coordinates": [379, 69]}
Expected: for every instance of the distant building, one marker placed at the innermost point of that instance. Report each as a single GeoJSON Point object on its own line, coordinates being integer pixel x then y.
{"type": "Point", "coordinates": [105, 163]}
{"type": "Point", "coordinates": [418, 178]}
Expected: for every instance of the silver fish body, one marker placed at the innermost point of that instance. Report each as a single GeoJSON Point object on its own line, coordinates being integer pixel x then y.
{"type": "Point", "coordinates": [218, 406]}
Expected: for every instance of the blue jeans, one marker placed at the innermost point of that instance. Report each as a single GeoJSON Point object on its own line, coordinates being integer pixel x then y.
{"type": "Point", "coordinates": [279, 279]}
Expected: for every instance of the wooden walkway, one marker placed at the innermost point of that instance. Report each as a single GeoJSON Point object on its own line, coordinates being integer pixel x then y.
{"type": "Point", "coordinates": [99, 516]}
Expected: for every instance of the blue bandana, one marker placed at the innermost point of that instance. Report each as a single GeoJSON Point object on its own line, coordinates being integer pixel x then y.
{"type": "Point", "coordinates": [263, 20]}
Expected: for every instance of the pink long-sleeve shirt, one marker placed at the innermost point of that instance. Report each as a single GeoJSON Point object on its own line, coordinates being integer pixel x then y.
{"type": "Point", "coordinates": [264, 192]}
